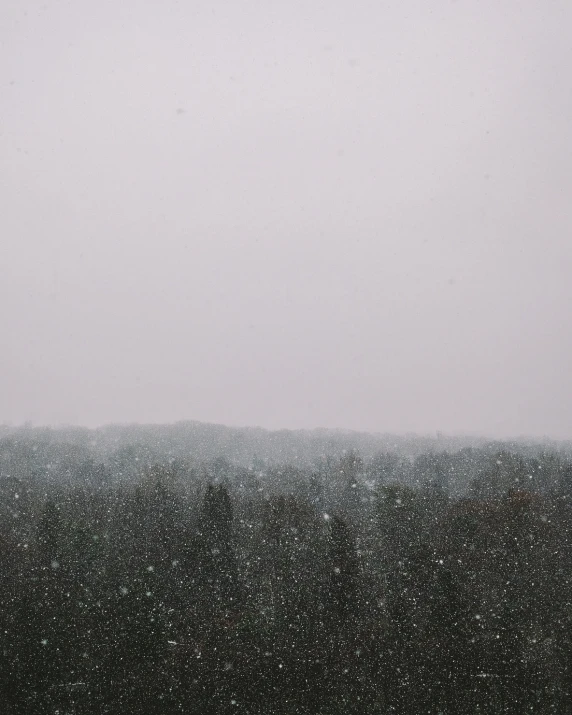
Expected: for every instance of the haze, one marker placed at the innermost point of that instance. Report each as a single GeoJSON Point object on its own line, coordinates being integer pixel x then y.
{"type": "Point", "coordinates": [289, 214]}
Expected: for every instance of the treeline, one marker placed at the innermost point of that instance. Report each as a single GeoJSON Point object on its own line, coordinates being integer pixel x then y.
{"type": "Point", "coordinates": [67, 452]}
{"type": "Point", "coordinates": [215, 588]}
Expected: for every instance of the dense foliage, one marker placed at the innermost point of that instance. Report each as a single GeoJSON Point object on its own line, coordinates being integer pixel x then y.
{"type": "Point", "coordinates": [345, 584]}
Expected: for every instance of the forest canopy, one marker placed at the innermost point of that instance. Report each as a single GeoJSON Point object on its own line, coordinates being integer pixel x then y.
{"type": "Point", "coordinates": [189, 568]}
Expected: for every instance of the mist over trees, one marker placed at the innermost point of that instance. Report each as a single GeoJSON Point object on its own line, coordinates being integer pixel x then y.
{"type": "Point", "coordinates": [200, 569]}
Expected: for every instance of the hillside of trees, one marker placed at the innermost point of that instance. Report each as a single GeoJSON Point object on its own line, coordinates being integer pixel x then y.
{"type": "Point", "coordinates": [160, 570]}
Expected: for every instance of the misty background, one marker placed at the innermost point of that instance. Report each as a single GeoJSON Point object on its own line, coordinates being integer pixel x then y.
{"type": "Point", "coordinates": [300, 214]}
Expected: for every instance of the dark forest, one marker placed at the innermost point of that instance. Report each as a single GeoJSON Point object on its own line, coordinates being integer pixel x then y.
{"type": "Point", "coordinates": [142, 573]}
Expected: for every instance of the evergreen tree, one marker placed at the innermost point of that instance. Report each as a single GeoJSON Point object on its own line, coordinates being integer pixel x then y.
{"type": "Point", "coordinates": [342, 589]}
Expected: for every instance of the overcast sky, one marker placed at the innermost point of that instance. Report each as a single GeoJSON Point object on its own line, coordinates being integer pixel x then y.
{"type": "Point", "coordinates": [287, 214]}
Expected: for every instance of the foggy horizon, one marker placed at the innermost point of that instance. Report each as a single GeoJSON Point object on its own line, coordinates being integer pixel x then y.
{"type": "Point", "coordinates": [339, 216]}
{"type": "Point", "coordinates": [435, 434]}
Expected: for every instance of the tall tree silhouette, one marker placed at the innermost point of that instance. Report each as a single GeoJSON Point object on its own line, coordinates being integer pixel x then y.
{"type": "Point", "coordinates": [342, 586]}
{"type": "Point", "coordinates": [49, 534]}
{"type": "Point", "coordinates": [218, 561]}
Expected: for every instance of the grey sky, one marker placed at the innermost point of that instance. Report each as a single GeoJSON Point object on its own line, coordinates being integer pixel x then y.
{"type": "Point", "coordinates": [289, 214]}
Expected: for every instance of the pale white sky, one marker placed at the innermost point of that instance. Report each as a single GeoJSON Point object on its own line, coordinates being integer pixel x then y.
{"type": "Point", "coordinates": [288, 214]}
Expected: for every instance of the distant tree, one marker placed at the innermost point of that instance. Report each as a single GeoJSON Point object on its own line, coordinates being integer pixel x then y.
{"type": "Point", "coordinates": [218, 562]}
{"type": "Point", "coordinates": [216, 515]}
{"type": "Point", "coordinates": [342, 588]}
{"type": "Point", "coordinates": [382, 468]}
{"type": "Point", "coordinates": [400, 519]}
{"type": "Point", "coordinates": [49, 534]}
